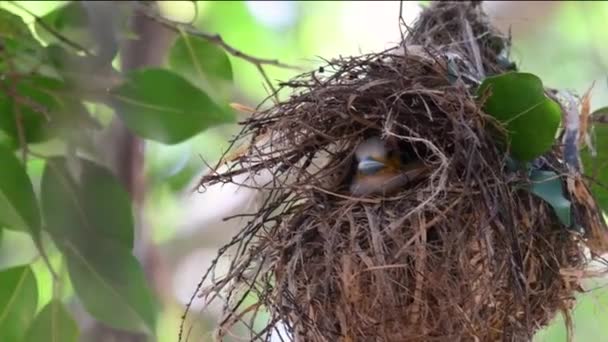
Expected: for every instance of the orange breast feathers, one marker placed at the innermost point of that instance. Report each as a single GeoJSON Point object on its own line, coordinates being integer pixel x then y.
{"type": "Point", "coordinates": [380, 171]}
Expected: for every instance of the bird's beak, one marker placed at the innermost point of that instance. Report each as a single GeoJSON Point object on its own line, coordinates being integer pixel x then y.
{"type": "Point", "coordinates": [369, 166]}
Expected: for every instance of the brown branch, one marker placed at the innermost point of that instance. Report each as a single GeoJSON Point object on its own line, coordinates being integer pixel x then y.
{"type": "Point", "coordinates": [212, 38]}
{"type": "Point", "coordinates": [24, 101]}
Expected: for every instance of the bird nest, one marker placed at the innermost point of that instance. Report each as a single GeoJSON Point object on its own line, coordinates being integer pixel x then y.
{"type": "Point", "coordinates": [462, 253]}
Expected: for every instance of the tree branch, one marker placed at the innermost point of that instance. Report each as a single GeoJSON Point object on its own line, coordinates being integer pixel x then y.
{"type": "Point", "coordinates": [51, 30]}
{"type": "Point", "coordinates": [212, 38]}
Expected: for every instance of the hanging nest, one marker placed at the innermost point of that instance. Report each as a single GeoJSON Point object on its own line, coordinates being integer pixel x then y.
{"type": "Point", "coordinates": [463, 253]}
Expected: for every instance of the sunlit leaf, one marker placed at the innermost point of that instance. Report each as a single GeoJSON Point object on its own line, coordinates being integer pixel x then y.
{"type": "Point", "coordinates": [53, 324]}
{"type": "Point", "coordinates": [18, 301]}
{"type": "Point", "coordinates": [16, 249]}
{"type": "Point", "coordinates": [111, 284]}
{"type": "Point", "coordinates": [548, 186]}
{"type": "Point", "coordinates": [191, 55]}
{"type": "Point", "coordinates": [160, 105]}
{"type": "Point", "coordinates": [18, 204]}
{"type": "Point", "coordinates": [517, 100]}
{"type": "Point", "coordinates": [85, 204]}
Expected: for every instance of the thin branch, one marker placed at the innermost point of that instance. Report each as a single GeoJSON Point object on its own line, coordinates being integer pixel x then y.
{"type": "Point", "coordinates": [24, 101]}
{"type": "Point", "coordinates": [215, 39]}
{"type": "Point", "coordinates": [401, 22]}
{"type": "Point", "coordinates": [51, 30]}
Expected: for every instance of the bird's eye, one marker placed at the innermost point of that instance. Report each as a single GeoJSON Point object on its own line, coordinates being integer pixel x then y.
{"type": "Point", "coordinates": [369, 166]}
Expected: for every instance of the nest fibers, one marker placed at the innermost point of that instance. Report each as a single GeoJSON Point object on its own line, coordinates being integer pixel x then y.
{"type": "Point", "coordinates": [463, 254]}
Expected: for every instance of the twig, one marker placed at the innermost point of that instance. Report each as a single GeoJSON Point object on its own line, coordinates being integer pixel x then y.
{"type": "Point", "coordinates": [401, 22]}
{"type": "Point", "coordinates": [51, 30]}
{"type": "Point", "coordinates": [215, 39]}
{"type": "Point", "coordinates": [474, 48]}
{"type": "Point", "coordinates": [24, 101]}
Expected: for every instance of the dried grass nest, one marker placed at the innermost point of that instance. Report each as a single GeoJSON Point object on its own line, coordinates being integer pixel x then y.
{"type": "Point", "coordinates": [462, 255]}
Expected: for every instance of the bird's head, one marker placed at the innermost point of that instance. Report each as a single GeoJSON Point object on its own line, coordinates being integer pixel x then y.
{"type": "Point", "coordinates": [373, 157]}
{"type": "Point", "coordinates": [380, 168]}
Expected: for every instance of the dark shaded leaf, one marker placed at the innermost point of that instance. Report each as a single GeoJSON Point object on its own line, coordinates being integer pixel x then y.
{"type": "Point", "coordinates": [518, 101]}
{"type": "Point", "coordinates": [191, 55]}
{"type": "Point", "coordinates": [160, 105]}
{"type": "Point", "coordinates": [20, 51]}
{"type": "Point", "coordinates": [47, 110]}
{"type": "Point", "coordinates": [597, 167]}
{"type": "Point", "coordinates": [18, 301]}
{"type": "Point", "coordinates": [13, 26]}
{"type": "Point", "coordinates": [548, 186]}
{"type": "Point", "coordinates": [93, 205]}
{"type": "Point", "coordinates": [53, 324]}
{"type": "Point", "coordinates": [18, 204]}
{"type": "Point", "coordinates": [111, 284]}
{"type": "Point", "coordinates": [38, 100]}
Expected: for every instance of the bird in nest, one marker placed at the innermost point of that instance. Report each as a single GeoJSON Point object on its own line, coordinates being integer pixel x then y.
{"type": "Point", "coordinates": [382, 170]}
{"type": "Point", "coordinates": [381, 166]}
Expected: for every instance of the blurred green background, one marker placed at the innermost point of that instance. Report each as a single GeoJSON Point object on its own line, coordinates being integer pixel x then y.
{"type": "Point", "coordinates": [562, 42]}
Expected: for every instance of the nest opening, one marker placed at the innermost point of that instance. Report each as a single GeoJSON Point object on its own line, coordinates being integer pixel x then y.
{"type": "Point", "coordinates": [462, 253]}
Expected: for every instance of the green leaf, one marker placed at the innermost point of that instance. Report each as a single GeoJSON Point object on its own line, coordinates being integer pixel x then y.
{"type": "Point", "coordinates": [160, 105]}
{"type": "Point", "coordinates": [70, 21]}
{"type": "Point", "coordinates": [548, 186]}
{"type": "Point", "coordinates": [18, 301]}
{"type": "Point", "coordinates": [94, 204]}
{"type": "Point", "coordinates": [42, 102]}
{"type": "Point", "coordinates": [18, 204]}
{"type": "Point", "coordinates": [13, 26]}
{"type": "Point", "coordinates": [53, 324]}
{"type": "Point", "coordinates": [517, 100]}
{"type": "Point", "coordinates": [111, 285]}
{"type": "Point", "coordinates": [191, 55]}
{"type": "Point", "coordinates": [21, 51]}
{"type": "Point", "coordinates": [600, 111]}
{"type": "Point", "coordinates": [88, 215]}
{"type": "Point", "coordinates": [16, 249]}
{"type": "Point", "coordinates": [597, 167]}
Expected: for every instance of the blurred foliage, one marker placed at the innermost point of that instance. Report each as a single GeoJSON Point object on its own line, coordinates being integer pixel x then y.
{"type": "Point", "coordinates": [67, 226]}
{"type": "Point", "coordinates": [53, 323]}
